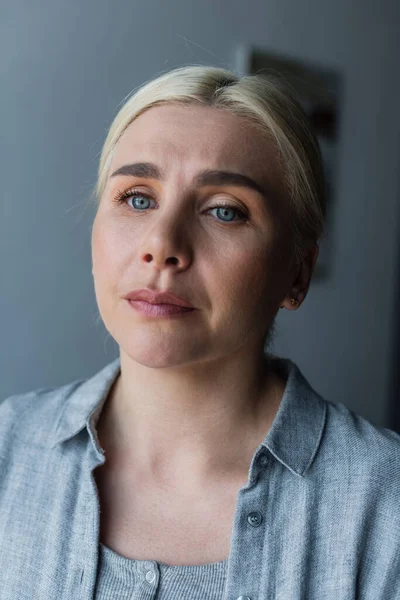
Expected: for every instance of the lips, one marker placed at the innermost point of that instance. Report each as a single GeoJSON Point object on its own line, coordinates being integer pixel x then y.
{"type": "Point", "coordinates": [154, 297]}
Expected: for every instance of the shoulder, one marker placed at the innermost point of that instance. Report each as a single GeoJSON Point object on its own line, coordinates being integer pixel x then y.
{"type": "Point", "coordinates": [32, 416]}
{"type": "Point", "coordinates": [346, 446]}
{"type": "Point", "coordinates": [347, 428]}
{"type": "Point", "coordinates": [45, 416]}
{"type": "Point", "coordinates": [363, 452]}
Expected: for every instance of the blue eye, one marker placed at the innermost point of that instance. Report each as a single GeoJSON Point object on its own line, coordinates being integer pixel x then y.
{"type": "Point", "coordinates": [223, 209]}
{"type": "Point", "coordinates": [143, 199]}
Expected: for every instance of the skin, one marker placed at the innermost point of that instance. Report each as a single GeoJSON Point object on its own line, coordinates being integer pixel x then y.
{"type": "Point", "coordinates": [194, 396]}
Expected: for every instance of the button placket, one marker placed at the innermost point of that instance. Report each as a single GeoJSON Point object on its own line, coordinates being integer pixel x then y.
{"type": "Point", "coordinates": [250, 542]}
{"type": "Point", "coordinates": [149, 570]}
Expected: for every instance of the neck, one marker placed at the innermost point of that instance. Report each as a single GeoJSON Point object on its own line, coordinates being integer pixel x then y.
{"type": "Point", "coordinates": [203, 423]}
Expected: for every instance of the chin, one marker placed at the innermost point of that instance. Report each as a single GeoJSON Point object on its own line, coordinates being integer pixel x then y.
{"type": "Point", "coordinates": [159, 352]}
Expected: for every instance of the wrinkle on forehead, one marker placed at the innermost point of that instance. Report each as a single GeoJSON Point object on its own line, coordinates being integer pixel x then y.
{"type": "Point", "coordinates": [198, 128]}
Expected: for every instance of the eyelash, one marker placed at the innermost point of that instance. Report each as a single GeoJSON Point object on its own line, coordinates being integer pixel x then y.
{"type": "Point", "coordinates": [122, 197]}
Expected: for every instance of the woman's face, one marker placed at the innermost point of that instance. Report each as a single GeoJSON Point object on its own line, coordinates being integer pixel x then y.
{"type": "Point", "coordinates": [231, 263]}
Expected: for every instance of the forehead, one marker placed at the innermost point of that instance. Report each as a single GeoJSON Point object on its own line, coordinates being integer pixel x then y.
{"type": "Point", "coordinates": [193, 134]}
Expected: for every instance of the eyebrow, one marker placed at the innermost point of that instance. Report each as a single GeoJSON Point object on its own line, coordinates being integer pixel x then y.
{"type": "Point", "coordinates": [208, 177]}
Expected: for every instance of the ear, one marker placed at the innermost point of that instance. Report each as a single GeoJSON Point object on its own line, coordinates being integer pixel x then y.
{"type": "Point", "coordinates": [302, 282]}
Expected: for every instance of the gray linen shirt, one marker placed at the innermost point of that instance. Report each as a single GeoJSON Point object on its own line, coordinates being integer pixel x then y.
{"type": "Point", "coordinates": [318, 518]}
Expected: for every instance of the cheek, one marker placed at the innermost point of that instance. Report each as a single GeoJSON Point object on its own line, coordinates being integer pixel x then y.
{"type": "Point", "coordinates": [243, 279]}
{"type": "Point", "coordinates": [261, 284]}
{"type": "Point", "coordinates": [105, 266]}
{"type": "Point", "coordinates": [106, 251]}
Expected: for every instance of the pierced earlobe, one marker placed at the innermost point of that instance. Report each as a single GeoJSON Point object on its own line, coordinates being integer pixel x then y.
{"type": "Point", "coordinates": [293, 301]}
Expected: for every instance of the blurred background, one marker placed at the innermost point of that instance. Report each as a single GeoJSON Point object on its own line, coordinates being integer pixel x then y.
{"type": "Point", "coordinates": [65, 68]}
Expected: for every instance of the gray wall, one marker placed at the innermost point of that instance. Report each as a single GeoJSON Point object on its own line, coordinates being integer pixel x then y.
{"type": "Point", "coordinates": [65, 67]}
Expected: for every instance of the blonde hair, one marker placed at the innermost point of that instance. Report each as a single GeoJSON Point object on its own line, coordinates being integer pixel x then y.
{"type": "Point", "coordinates": [265, 100]}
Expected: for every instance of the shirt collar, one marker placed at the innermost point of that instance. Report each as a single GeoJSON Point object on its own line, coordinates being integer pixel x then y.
{"type": "Point", "coordinates": [293, 438]}
{"type": "Point", "coordinates": [85, 402]}
{"type": "Point", "coordinates": [296, 432]}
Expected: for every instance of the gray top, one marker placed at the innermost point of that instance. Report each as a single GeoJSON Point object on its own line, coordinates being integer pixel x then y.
{"type": "Point", "coordinates": [317, 519]}
{"type": "Point", "coordinates": [121, 578]}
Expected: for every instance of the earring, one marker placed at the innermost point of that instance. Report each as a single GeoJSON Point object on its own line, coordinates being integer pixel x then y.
{"type": "Point", "coordinates": [293, 301]}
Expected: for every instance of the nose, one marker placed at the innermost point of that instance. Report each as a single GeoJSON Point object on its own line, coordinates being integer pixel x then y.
{"type": "Point", "coordinates": [166, 245]}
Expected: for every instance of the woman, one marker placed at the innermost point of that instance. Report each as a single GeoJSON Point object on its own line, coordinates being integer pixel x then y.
{"type": "Point", "coordinates": [197, 465]}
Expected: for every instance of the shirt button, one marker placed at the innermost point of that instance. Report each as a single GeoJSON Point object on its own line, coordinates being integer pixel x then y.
{"type": "Point", "coordinates": [150, 576]}
{"type": "Point", "coordinates": [255, 518]}
{"type": "Point", "coordinates": [244, 598]}
{"type": "Point", "coordinates": [263, 460]}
